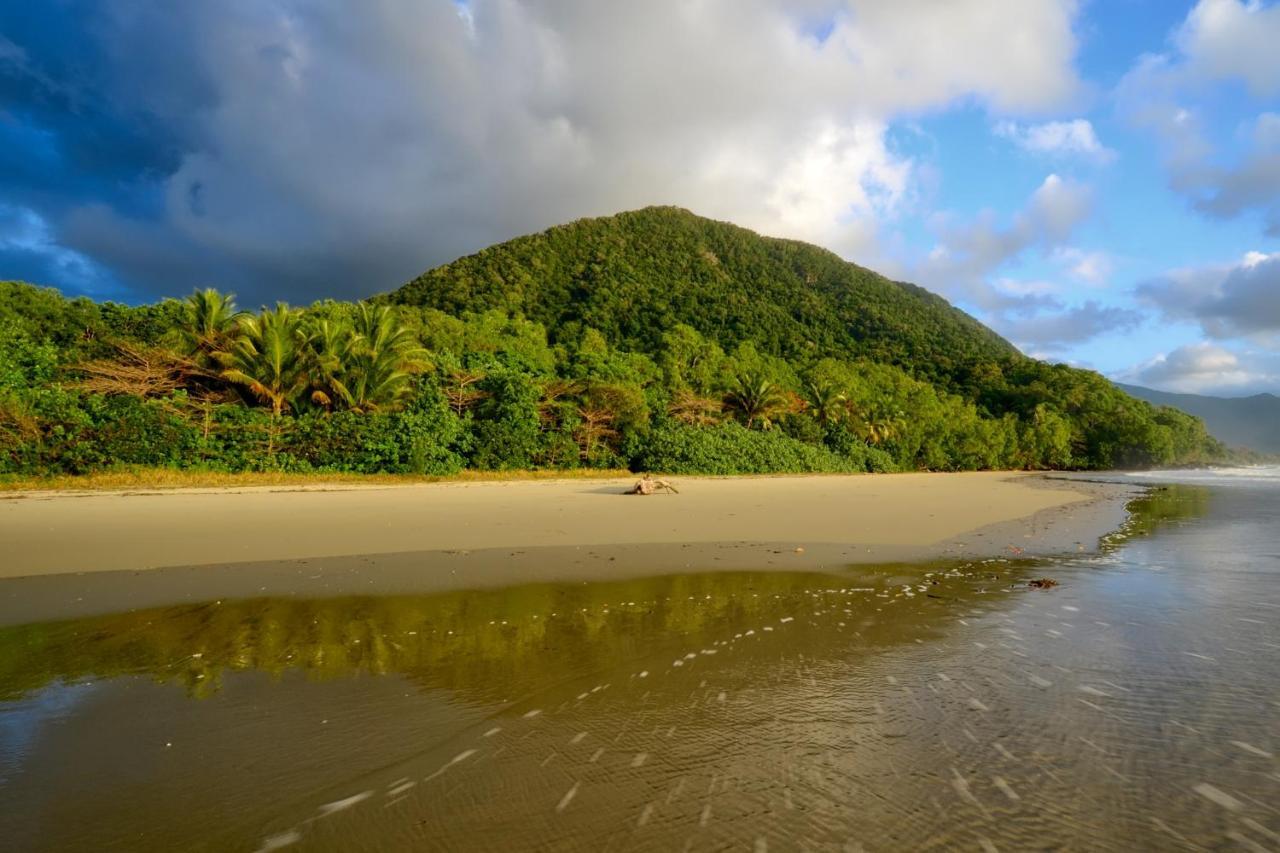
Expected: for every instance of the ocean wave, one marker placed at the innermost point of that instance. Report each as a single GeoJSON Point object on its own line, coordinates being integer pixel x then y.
{"type": "Point", "coordinates": [1212, 475]}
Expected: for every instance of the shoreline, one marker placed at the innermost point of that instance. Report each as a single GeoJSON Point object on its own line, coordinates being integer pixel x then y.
{"type": "Point", "coordinates": [422, 536]}
{"type": "Point", "coordinates": [880, 518]}
{"type": "Point", "coordinates": [69, 556]}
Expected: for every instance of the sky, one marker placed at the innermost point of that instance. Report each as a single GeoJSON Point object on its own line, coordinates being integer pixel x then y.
{"type": "Point", "coordinates": [1098, 180]}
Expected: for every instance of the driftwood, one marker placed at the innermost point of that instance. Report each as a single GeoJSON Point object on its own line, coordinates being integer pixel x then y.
{"type": "Point", "coordinates": [647, 485]}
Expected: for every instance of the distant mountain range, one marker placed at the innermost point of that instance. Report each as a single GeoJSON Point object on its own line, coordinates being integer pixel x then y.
{"type": "Point", "coordinates": [1252, 422]}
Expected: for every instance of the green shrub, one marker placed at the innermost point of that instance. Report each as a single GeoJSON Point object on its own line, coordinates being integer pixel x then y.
{"type": "Point", "coordinates": [418, 440]}
{"type": "Point", "coordinates": [731, 448]}
{"type": "Point", "coordinates": [508, 426]}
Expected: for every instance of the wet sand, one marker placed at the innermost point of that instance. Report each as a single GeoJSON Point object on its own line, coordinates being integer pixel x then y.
{"type": "Point", "coordinates": [887, 517]}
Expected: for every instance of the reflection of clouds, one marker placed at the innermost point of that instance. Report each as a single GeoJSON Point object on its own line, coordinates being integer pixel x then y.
{"type": "Point", "coordinates": [22, 720]}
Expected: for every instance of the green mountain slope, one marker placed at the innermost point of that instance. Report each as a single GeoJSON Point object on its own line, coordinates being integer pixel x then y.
{"type": "Point", "coordinates": [1252, 422]}
{"type": "Point", "coordinates": [655, 340]}
{"type": "Point", "coordinates": [635, 275]}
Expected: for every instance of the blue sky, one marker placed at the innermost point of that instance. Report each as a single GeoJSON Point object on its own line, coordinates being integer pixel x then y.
{"type": "Point", "coordinates": [1099, 181]}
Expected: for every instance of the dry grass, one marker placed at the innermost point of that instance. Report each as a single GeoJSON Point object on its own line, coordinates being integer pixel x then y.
{"type": "Point", "coordinates": [153, 479]}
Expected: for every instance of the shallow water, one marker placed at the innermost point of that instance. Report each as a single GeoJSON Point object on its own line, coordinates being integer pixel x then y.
{"type": "Point", "coordinates": [945, 706]}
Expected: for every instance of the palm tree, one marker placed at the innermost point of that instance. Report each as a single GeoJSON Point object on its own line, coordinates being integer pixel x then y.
{"type": "Point", "coordinates": [329, 345]}
{"type": "Point", "coordinates": [878, 427]}
{"type": "Point", "coordinates": [211, 323]}
{"type": "Point", "coordinates": [269, 357]}
{"type": "Point", "coordinates": [384, 357]}
{"type": "Point", "coordinates": [757, 400]}
{"type": "Point", "coordinates": [826, 402]}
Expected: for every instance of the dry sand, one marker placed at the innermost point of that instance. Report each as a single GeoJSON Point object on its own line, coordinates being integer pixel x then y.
{"type": "Point", "coordinates": [867, 518]}
{"type": "Point", "coordinates": [65, 555]}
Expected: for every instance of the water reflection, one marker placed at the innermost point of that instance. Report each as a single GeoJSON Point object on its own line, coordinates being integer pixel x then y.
{"type": "Point", "coordinates": [908, 707]}
{"type": "Point", "coordinates": [482, 644]}
{"type": "Point", "coordinates": [503, 668]}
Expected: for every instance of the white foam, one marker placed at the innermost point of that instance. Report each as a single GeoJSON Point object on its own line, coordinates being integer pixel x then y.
{"type": "Point", "coordinates": [1219, 797]}
{"type": "Point", "coordinates": [282, 839]}
{"type": "Point", "coordinates": [344, 804]}
{"type": "Point", "coordinates": [400, 789]}
{"type": "Point", "coordinates": [567, 798]}
{"type": "Point", "coordinates": [1250, 748]}
{"type": "Point", "coordinates": [1004, 788]}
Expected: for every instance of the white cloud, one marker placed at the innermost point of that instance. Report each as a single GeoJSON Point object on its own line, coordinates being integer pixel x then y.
{"type": "Point", "coordinates": [1253, 183]}
{"type": "Point", "coordinates": [350, 152]}
{"type": "Point", "coordinates": [917, 51]}
{"type": "Point", "coordinates": [1056, 208]}
{"type": "Point", "coordinates": [1035, 314]}
{"type": "Point", "coordinates": [1228, 38]}
{"type": "Point", "coordinates": [1063, 138]}
{"type": "Point", "coordinates": [1090, 267]}
{"type": "Point", "coordinates": [1204, 367]}
{"type": "Point", "coordinates": [966, 256]}
{"type": "Point", "coordinates": [1219, 40]}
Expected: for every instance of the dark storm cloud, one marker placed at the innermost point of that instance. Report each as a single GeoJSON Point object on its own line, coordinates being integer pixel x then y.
{"type": "Point", "coordinates": [78, 119]}
{"type": "Point", "coordinates": [297, 149]}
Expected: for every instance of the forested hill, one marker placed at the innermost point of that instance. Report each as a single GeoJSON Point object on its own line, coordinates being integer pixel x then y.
{"type": "Point", "coordinates": [654, 340]}
{"type": "Point", "coordinates": [636, 275]}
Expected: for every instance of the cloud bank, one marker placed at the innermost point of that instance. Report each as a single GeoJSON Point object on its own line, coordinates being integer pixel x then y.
{"type": "Point", "coordinates": [1227, 301]}
{"type": "Point", "coordinates": [302, 149]}
{"type": "Point", "coordinates": [1237, 308]}
{"type": "Point", "coordinates": [1208, 368]}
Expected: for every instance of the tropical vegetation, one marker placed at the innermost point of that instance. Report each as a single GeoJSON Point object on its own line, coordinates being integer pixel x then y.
{"type": "Point", "coordinates": [654, 340]}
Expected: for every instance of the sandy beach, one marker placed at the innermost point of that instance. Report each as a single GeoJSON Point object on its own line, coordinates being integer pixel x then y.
{"type": "Point", "coordinates": [72, 554]}
{"type": "Point", "coordinates": [863, 518]}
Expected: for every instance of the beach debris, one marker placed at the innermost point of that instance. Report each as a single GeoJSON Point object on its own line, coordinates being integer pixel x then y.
{"type": "Point", "coordinates": [1042, 583]}
{"type": "Point", "coordinates": [647, 485]}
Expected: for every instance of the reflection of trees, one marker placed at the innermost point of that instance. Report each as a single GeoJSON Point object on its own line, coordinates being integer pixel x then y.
{"type": "Point", "coordinates": [484, 639]}
{"type": "Point", "coordinates": [492, 642]}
